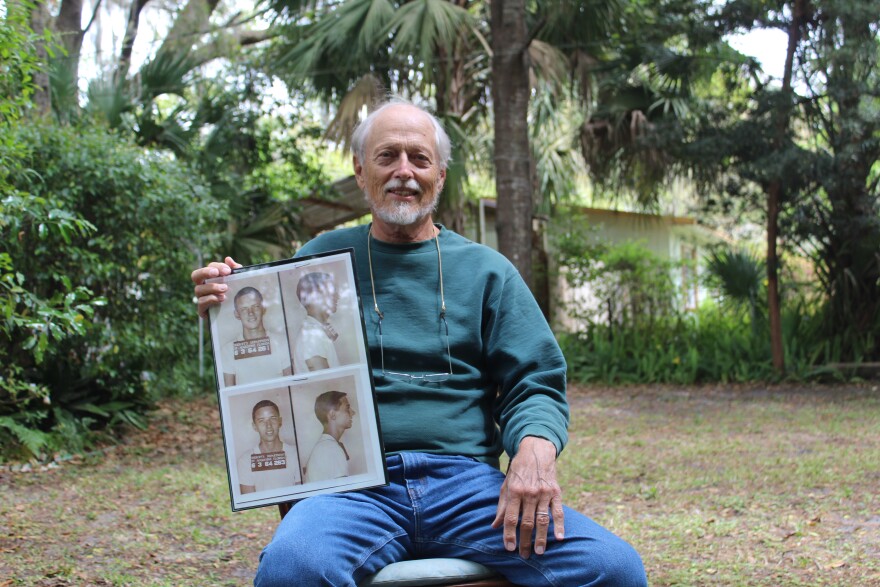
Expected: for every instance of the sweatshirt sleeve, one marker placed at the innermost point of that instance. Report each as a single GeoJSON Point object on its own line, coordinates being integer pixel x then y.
{"type": "Point", "coordinates": [528, 366]}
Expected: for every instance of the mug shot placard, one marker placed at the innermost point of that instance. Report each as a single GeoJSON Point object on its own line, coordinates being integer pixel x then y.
{"type": "Point", "coordinates": [294, 382]}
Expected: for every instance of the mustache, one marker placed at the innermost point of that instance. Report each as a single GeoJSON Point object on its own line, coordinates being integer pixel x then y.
{"type": "Point", "coordinates": [410, 184]}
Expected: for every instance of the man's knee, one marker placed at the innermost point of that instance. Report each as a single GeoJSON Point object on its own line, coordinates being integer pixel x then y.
{"type": "Point", "coordinates": [621, 566]}
{"type": "Point", "coordinates": [283, 564]}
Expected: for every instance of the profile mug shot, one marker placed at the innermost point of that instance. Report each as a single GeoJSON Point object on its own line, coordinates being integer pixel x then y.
{"type": "Point", "coordinates": [329, 458]}
{"type": "Point", "coordinates": [315, 345]}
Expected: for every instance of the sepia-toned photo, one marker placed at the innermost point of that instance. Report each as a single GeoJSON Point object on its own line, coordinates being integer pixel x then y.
{"type": "Point", "coordinates": [266, 454]}
{"type": "Point", "coordinates": [331, 429]}
{"type": "Point", "coordinates": [297, 401]}
{"type": "Point", "coordinates": [324, 313]}
{"type": "Point", "coordinates": [253, 332]}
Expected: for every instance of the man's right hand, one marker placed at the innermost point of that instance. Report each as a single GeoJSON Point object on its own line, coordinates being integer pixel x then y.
{"type": "Point", "coordinates": [209, 294]}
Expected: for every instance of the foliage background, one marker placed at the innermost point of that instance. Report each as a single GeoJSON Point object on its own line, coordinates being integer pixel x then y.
{"type": "Point", "coordinates": [132, 256]}
{"type": "Point", "coordinates": [110, 195]}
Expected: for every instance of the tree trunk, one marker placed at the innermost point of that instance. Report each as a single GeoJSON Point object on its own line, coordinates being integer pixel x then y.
{"type": "Point", "coordinates": [131, 31]}
{"type": "Point", "coordinates": [775, 192]}
{"type": "Point", "coordinates": [510, 101]}
{"type": "Point", "coordinates": [68, 25]}
{"type": "Point", "coordinates": [191, 24]}
{"type": "Point", "coordinates": [40, 21]}
{"type": "Point", "coordinates": [773, 307]}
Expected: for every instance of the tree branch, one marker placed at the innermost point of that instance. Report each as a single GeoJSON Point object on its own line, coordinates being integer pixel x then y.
{"type": "Point", "coordinates": [131, 31]}
{"type": "Point", "coordinates": [94, 16]}
{"type": "Point", "coordinates": [223, 45]}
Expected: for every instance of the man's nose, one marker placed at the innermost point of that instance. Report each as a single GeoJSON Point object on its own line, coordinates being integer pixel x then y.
{"type": "Point", "coordinates": [404, 167]}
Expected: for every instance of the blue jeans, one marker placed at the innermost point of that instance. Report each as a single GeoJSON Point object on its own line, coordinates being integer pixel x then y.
{"type": "Point", "coordinates": [435, 506]}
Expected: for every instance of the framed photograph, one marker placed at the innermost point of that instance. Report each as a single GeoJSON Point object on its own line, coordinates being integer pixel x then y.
{"type": "Point", "coordinates": [297, 401]}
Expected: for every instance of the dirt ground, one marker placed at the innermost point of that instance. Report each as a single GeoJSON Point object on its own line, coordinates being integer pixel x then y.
{"type": "Point", "coordinates": [796, 502]}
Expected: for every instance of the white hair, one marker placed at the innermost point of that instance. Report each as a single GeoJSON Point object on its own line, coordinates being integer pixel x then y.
{"type": "Point", "coordinates": [362, 131]}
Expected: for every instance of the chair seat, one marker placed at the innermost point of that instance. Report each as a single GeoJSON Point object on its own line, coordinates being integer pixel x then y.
{"type": "Point", "coordinates": [429, 571]}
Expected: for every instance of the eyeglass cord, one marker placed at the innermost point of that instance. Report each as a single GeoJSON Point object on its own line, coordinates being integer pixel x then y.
{"type": "Point", "coordinates": [373, 283]}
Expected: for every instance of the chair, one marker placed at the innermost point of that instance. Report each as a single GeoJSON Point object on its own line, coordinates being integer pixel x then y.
{"type": "Point", "coordinates": [445, 572]}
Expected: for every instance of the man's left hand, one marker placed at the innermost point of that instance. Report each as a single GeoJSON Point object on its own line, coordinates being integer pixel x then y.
{"type": "Point", "coordinates": [530, 497]}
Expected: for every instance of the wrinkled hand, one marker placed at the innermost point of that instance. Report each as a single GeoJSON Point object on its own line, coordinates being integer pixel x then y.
{"type": "Point", "coordinates": [530, 496]}
{"type": "Point", "coordinates": [210, 294]}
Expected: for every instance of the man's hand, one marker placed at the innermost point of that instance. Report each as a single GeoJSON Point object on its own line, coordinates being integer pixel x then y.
{"type": "Point", "coordinates": [530, 496]}
{"type": "Point", "coordinates": [209, 294]}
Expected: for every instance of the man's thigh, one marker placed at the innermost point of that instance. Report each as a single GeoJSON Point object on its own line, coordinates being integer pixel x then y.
{"type": "Point", "coordinates": [454, 517]}
{"type": "Point", "coordinates": [337, 540]}
{"type": "Point", "coordinates": [434, 507]}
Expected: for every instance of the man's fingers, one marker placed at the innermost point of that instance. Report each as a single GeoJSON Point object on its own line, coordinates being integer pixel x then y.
{"type": "Point", "coordinates": [558, 517]}
{"type": "Point", "coordinates": [210, 294]}
{"type": "Point", "coordinates": [542, 523]}
{"type": "Point", "coordinates": [527, 525]}
{"type": "Point", "coordinates": [511, 520]}
{"type": "Point", "coordinates": [205, 302]}
{"type": "Point", "coordinates": [502, 507]}
{"type": "Point", "coordinates": [215, 269]}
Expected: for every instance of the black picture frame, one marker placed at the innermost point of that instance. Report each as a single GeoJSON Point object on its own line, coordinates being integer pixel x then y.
{"type": "Point", "coordinates": [290, 347]}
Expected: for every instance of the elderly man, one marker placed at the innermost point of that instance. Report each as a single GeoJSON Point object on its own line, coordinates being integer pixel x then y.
{"type": "Point", "coordinates": [465, 366]}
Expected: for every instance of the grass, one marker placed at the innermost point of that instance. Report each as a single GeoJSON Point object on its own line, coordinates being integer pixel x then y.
{"type": "Point", "coordinates": [714, 486]}
{"type": "Point", "coordinates": [734, 485]}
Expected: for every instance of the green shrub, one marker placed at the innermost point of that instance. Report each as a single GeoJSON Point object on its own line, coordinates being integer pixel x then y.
{"type": "Point", "coordinates": [633, 285]}
{"type": "Point", "coordinates": [98, 219]}
{"type": "Point", "coordinates": [640, 334]}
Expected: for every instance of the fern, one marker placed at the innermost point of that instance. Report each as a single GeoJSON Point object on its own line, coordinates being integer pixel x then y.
{"type": "Point", "coordinates": [32, 440]}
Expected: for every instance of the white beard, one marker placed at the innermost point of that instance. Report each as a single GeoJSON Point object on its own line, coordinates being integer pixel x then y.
{"type": "Point", "coordinates": [402, 213]}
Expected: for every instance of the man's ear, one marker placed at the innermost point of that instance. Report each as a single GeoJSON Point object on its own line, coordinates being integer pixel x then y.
{"type": "Point", "coordinates": [441, 181]}
{"type": "Point", "coordinates": [358, 171]}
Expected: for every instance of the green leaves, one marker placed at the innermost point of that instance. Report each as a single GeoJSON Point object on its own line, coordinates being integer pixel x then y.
{"type": "Point", "coordinates": [32, 440]}
{"type": "Point", "coordinates": [421, 26]}
{"type": "Point", "coordinates": [94, 257]}
{"type": "Point", "coordinates": [345, 41]}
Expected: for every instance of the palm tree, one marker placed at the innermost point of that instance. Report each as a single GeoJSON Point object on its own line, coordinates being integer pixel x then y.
{"type": "Point", "coordinates": [436, 50]}
{"type": "Point", "coordinates": [351, 53]}
{"type": "Point", "coordinates": [167, 105]}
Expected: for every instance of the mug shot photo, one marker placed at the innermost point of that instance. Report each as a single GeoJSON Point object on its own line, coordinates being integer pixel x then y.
{"type": "Point", "coordinates": [329, 458]}
{"type": "Point", "coordinates": [258, 349]}
{"type": "Point", "coordinates": [268, 392]}
{"type": "Point", "coordinates": [323, 314]}
{"type": "Point", "coordinates": [336, 429]}
{"type": "Point", "coordinates": [315, 345]}
{"type": "Point", "coordinates": [267, 461]}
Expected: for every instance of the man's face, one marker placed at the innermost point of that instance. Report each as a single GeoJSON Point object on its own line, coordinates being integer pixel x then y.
{"type": "Point", "coordinates": [329, 297]}
{"type": "Point", "coordinates": [267, 422]}
{"type": "Point", "coordinates": [324, 295]}
{"type": "Point", "coordinates": [249, 309]}
{"type": "Point", "coordinates": [345, 414]}
{"type": "Point", "coordinates": [401, 173]}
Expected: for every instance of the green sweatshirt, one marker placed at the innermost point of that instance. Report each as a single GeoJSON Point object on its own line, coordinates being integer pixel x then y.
{"type": "Point", "coordinates": [508, 376]}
